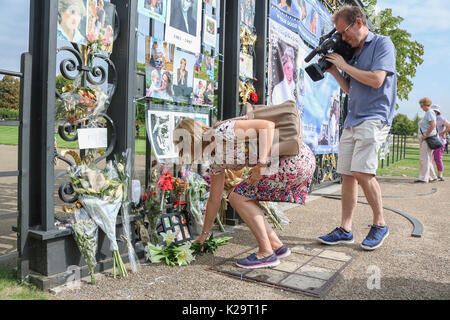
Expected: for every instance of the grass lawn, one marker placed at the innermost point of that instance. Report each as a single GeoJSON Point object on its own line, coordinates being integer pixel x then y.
{"type": "Point", "coordinates": [10, 136]}
{"type": "Point", "coordinates": [408, 167]}
{"type": "Point", "coordinates": [10, 289]}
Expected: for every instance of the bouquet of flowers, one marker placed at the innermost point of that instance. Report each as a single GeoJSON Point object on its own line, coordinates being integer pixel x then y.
{"type": "Point", "coordinates": [210, 245]}
{"type": "Point", "coordinates": [171, 253]}
{"type": "Point", "coordinates": [85, 232]}
{"type": "Point", "coordinates": [152, 206]}
{"type": "Point", "coordinates": [79, 103]}
{"type": "Point", "coordinates": [124, 172]}
{"type": "Point", "coordinates": [194, 196]}
{"type": "Point", "coordinates": [101, 192]}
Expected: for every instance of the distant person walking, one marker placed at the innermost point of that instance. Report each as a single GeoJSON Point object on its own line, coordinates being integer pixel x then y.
{"type": "Point", "coordinates": [427, 128]}
{"type": "Point", "coordinates": [443, 127]}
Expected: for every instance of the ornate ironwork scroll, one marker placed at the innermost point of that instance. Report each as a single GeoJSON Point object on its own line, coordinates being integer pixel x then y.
{"type": "Point", "coordinates": [83, 65]}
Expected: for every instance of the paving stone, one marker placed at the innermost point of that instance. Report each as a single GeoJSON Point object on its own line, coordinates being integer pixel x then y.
{"type": "Point", "coordinates": [300, 259]}
{"type": "Point", "coordinates": [288, 266]}
{"type": "Point", "coordinates": [230, 267]}
{"type": "Point", "coordinates": [335, 255]}
{"type": "Point", "coordinates": [300, 282]}
{"type": "Point", "coordinates": [327, 263]}
{"type": "Point", "coordinates": [267, 275]}
{"type": "Point", "coordinates": [306, 250]}
{"type": "Point", "coordinates": [316, 272]}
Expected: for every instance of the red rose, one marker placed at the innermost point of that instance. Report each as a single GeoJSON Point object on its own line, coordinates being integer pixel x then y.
{"type": "Point", "coordinates": [254, 97]}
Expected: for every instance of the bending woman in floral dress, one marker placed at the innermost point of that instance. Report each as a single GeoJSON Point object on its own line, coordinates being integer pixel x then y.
{"type": "Point", "coordinates": [290, 183]}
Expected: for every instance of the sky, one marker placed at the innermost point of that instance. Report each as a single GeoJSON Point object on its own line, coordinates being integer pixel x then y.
{"type": "Point", "coordinates": [428, 22]}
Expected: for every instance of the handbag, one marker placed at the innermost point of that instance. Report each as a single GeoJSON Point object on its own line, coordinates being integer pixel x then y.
{"type": "Point", "coordinates": [288, 137]}
{"type": "Point", "coordinates": [288, 122]}
{"type": "Point", "coordinates": [434, 142]}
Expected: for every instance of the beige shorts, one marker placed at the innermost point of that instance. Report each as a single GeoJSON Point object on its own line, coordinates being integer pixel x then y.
{"type": "Point", "coordinates": [359, 146]}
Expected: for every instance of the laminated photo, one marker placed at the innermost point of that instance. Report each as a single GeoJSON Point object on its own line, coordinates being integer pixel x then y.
{"type": "Point", "coordinates": [72, 19]}
{"type": "Point", "coordinates": [200, 86]}
{"type": "Point", "coordinates": [246, 66]}
{"type": "Point", "coordinates": [210, 31]}
{"type": "Point", "coordinates": [160, 127]}
{"type": "Point", "coordinates": [183, 24]}
{"type": "Point", "coordinates": [155, 9]}
{"type": "Point", "coordinates": [213, 3]}
{"type": "Point", "coordinates": [100, 24]}
{"type": "Point", "coordinates": [183, 75]}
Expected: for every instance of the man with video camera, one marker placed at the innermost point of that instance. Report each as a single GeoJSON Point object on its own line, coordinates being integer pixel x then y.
{"type": "Point", "coordinates": [371, 85]}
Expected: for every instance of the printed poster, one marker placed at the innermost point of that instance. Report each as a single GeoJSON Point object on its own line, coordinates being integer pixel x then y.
{"type": "Point", "coordinates": [318, 102]}
{"type": "Point", "coordinates": [183, 24]}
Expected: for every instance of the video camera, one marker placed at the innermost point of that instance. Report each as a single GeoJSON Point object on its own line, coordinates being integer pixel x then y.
{"type": "Point", "coordinates": [331, 42]}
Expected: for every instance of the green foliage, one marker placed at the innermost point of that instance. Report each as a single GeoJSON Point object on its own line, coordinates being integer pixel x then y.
{"type": "Point", "coordinates": [210, 245]}
{"type": "Point", "coordinates": [409, 52]}
{"type": "Point", "coordinates": [403, 125]}
{"type": "Point", "coordinates": [61, 82]}
{"type": "Point", "coordinates": [11, 289]}
{"type": "Point", "coordinates": [9, 114]}
{"type": "Point", "coordinates": [9, 92]}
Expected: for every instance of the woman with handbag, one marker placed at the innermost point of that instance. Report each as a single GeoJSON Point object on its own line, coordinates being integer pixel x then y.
{"type": "Point", "coordinates": [442, 127]}
{"type": "Point", "coordinates": [290, 181]}
{"type": "Point", "coordinates": [427, 130]}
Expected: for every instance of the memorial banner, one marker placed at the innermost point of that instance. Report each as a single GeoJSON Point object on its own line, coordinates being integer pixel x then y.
{"type": "Point", "coordinates": [290, 42]}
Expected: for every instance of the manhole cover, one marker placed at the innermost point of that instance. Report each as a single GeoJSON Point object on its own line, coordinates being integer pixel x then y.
{"type": "Point", "coordinates": [308, 269]}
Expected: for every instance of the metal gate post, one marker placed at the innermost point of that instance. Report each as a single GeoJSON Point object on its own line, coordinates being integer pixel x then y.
{"type": "Point", "coordinates": [42, 46]}
{"type": "Point", "coordinates": [23, 192]}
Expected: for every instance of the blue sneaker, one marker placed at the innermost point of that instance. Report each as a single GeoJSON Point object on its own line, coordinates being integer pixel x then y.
{"type": "Point", "coordinates": [252, 262]}
{"type": "Point", "coordinates": [375, 237]}
{"type": "Point", "coordinates": [338, 235]}
{"type": "Point", "coordinates": [282, 252]}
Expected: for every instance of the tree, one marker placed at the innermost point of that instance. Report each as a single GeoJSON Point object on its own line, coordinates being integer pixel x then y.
{"type": "Point", "coordinates": [9, 92]}
{"type": "Point", "coordinates": [409, 52]}
{"type": "Point", "coordinates": [402, 125]}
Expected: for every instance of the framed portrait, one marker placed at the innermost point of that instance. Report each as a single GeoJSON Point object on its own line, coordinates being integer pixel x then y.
{"type": "Point", "coordinates": [180, 228]}
{"type": "Point", "coordinates": [210, 31]}
{"type": "Point", "coordinates": [183, 24]}
{"type": "Point", "coordinates": [160, 128]}
{"type": "Point", "coordinates": [72, 21]}
{"type": "Point", "coordinates": [100, 23]}
{"type": "Point", "coordinates": [155, 9]}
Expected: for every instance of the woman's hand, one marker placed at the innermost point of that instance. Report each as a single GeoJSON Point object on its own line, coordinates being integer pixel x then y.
{"type": "Point", "coordinates": [201, 238]}
{"type": "Point", "coordinates": [255, 174]}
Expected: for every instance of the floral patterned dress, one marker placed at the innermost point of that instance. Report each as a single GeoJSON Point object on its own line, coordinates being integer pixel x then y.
{"type": "Point", "coordinates": [291, 182]}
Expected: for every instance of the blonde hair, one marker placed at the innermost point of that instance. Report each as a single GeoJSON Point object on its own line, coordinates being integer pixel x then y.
{"type": "Point", "coordinates": [196, 129]}
{"type": "Point", "coordinates": [425, 101]}
{"type": "Point", "coordinates": [63, 5]}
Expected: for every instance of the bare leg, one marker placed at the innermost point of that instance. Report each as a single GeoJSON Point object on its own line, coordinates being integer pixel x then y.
{"type": "Point", "coordinates": [254, 218]}
{"type": "Point", "coordinates": [372, 191]}
{"type": "Point", "coordinates": [349, 199]}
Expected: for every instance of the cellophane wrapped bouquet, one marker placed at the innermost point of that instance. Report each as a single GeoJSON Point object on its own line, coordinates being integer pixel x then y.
{"type": "Point", "coordinates": [78, 103]}
{"type": "Point", "coordinates": [101, 192]}
{"type": "Point", "coordinates": [85, 232]}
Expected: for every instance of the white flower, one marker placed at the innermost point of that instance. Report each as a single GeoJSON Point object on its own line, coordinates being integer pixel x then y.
{"type": "Point", "coordinates": [185, 255]}
{"type": "Point", "coordinates": [120, 168]}
{"type": "Point", "coordinates": [153, 253]}
{"type": "Point", "coordinates": [168, 237]}
{"type": "Point", "coordinates": [96, 179]}
{"type": "Point", "coordinates": [84, 184]}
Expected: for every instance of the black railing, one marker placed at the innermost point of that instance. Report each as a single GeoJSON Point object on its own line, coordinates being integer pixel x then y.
{"type": "Point", "coordinates": [22, 173]}
{"type": "Point", "coordinates": [393, 149]}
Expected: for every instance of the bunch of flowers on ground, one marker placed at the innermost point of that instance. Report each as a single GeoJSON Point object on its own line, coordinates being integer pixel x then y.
{"type": "Point", "coordinates": [171, 253]}
{"type": "Point", "coordinates": [85, 232]}
{"type": "Point", "coordinates": [210, 245]}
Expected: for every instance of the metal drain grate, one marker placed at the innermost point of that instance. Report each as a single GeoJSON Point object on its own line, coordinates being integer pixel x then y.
{"type": "Point", "coordinates": [307, 270]}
